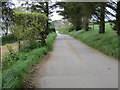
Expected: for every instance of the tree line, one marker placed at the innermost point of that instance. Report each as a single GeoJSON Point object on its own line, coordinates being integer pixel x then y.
{"type": "Point", "coordinates": [81, 13]}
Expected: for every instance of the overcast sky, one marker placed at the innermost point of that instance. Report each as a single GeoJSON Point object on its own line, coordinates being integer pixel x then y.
{"type": "Point", "coordinates": [55, 15]}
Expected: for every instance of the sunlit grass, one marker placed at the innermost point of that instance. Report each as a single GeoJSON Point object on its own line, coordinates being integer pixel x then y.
{"type": "Point", "coordinates": [106, 43]}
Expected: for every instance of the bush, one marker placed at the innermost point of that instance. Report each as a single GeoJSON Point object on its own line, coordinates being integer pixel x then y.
{"type": "Point", "coordinates": [26, 46]}
{"type": "Point", "coordinates": [14, 76]}
{"type": "Point", "coordinates": [29, 26]}
{"type": "Point", "coordinates": [52, 29]}
{"type": "Point", "coordinates": [10, 38]}
{"type": "Point", "coordinates": [10, 58]}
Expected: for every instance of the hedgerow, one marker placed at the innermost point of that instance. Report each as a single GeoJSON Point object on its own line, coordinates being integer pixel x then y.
{"type": "Point", "coordinates": [16, 67]}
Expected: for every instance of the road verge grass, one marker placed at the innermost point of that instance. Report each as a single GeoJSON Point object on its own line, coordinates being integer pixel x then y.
{"type": "Point", "coordinates": [14, 75]}
{"type": "Point", "coordinates": [106, 43]}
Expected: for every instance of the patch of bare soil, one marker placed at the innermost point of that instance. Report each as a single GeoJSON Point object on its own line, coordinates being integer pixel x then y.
{"type": "Point", "coordinates": [5, 50]}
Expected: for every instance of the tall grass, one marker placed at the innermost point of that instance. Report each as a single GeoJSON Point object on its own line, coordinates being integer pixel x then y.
{"type": "Point", "coordinates": [13, 75]}
{"type": "Point", "coordinates": [106, 43]}
{"type": "Point", "coordinates": [0, 79]}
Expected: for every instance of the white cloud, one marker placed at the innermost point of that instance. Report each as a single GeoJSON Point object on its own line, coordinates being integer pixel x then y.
{"type": "Point", "coordinates": [56, 16]}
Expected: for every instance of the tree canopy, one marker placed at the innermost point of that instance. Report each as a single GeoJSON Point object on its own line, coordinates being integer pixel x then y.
{"type": "Point", "coordinates": [81, 13]}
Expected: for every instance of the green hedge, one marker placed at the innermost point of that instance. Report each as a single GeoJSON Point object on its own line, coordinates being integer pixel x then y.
{"type": "Point", "coordinates": [14, 75]}
{"type": "Point", "coordinates": [29, 26]}
{"type": "Point", "coordinates": [10, 38]}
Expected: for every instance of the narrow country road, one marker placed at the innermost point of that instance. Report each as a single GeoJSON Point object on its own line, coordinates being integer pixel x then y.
{"type": "Point", "coordinates": [73, 64]}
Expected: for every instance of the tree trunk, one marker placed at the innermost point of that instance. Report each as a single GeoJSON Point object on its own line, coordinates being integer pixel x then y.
{"type": "Point", "coordinates": [6, 27]}
{"type": "Point", "coordinates": [43, 37]}
{"type": "Point", "coordinates": [76, 21]}
{"type": "Point", "coordinates": [6, 32]}
{"type": "Point", "coordinates": [47, 13]}
{"type": "Point", "coordinates": [86, 26]}
{"type": "Point", "coordinates": [102, 19]}
{"type": "Point", "coordinates": [78, 27]}
{"type": "Point", "coordinates": [19, 46]}
{"type": "Point", "coordinates": [118, 18]}
{"type": "Point", "coordinates": [93, 25]}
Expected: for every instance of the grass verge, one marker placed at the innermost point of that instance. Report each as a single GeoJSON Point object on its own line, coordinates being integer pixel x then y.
{"type": "Point", "coordinates": [14, 75]}
{"type": "Point", "coordinates": [106, 43]}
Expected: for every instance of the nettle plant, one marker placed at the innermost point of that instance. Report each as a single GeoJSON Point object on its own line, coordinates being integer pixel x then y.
{"type": "Point", "coordinates": [29, 26]}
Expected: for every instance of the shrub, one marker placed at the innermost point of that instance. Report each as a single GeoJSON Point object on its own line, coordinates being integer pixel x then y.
{"type": "Point", "coordinates": [29, 26]}
{"type": "Point", "coordinates": [26, 46]}
{"type": "Point", "coordinates": [10, 58]}
{"type": "Point", "coordinates": [51, 29]}
{"type": "Point", "coordinates": [10, 38]}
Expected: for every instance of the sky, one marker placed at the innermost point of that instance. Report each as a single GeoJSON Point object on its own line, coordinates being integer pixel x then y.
{"type": "Point", "coordinates": [54, 16]}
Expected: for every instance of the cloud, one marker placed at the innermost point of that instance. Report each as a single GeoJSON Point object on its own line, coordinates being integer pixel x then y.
{"type": "Point", "coordinates": [56, 16]}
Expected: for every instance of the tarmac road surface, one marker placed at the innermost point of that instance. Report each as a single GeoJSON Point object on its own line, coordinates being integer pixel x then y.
{"type": "Point", "coordinates": [73, 64]}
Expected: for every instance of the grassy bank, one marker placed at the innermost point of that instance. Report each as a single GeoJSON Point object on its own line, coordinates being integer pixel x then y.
{"type": "Point", "coordinates": [14, 74]}
{"type": "Point", "coordinates": [0, 79]}
{"type": "Point", "coordinates": [106, 43]}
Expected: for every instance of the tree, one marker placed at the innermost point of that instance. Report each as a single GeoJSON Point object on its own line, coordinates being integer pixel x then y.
{"type": "Point", "coordinates": [72, 12]}
{"type": "Point", "coordinates": [102, 18]}
{"type": "Point", "coordinates": [40, 7]}
{"type": "Point", "coordinates": [99, 14]}
{"type": "Point", "coordinates": [7, 16]}
{"type": "Point", "coordinates": [78, 14]}
{"type": "Point", "coordinates": [88, 10]}
{"type": "Point", "coordinates": [118, 18]}
{"type": "Point", "coordinates": [106, 13]}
